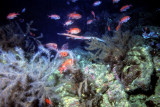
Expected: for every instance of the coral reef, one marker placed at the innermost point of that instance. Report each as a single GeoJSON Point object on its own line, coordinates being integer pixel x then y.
{"type": "Point", "coordinates": [151, 34]}
{"type": "Point", "coordinates": [138, 69]}
{"type": "Point", "coordinates": [30, 83]}
{"type": "Point", "coordinates": [114, 49]}
{"type": "Point", "coordinates": [115, 73]}
{"type": "Point", "coordinates": [107, 86]}
{"type": "Point", "coordinates": [151, 99]}
{"type": "Point", "coordinates": [132, 65]}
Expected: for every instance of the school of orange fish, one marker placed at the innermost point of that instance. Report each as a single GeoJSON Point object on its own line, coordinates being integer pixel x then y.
{"type": "Point", "coordinates": [71, 32]}
{"type": "Point", "coordinates": [75, 16]}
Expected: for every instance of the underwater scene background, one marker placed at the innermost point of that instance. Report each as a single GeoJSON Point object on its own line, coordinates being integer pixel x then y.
{"type": "Point", "coordinates": [79, 53]}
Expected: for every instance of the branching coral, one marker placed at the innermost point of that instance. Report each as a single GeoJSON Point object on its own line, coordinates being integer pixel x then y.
{"type": "Point", "coordinates": [100, 48]}
{"type": "Point", "coordinates": [134, 62]}
{"type": "Point", "coordinates": [12, 35]}
{"type": "Point", "coordinates": [31, 42]}
{"type": "Point", "coordinates": [26, 84]}
{"type": "Point", "coordinates": [115, 48]}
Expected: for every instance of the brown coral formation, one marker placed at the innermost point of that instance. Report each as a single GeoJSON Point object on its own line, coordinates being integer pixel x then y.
{"type": "Point", "coordinates": [114, 49]}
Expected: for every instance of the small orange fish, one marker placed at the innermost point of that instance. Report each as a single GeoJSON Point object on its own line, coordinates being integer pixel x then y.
{"type": "Point", "coordinates": [52, 46]}
{"type": "Point", "coordinates": [109, 28]}
{"type": "Point", "coordinates": [74, 15]}
{"type": "Point", "coordinates": [74, 31]}
{"type": "Point", "coordinates": [63, 53]}
{"type": "Point", "coordinates": [48, 101]}
{"type": "Point", "coordinates": [94, 16]}
{"type": "Point", "coordinates": [67, 23]}
{"type": "Point", "coordinates": [68, 62]}
{"type": "Point", "coordinates": [124, 8]}
{"type": "Point", "coordinates": [54, 16]}
{"type": "Point", "coordinates": [124, 19]}
{"type": "Point", "coordinates": [90, 21]}
{"type": "Point", "coordinates": [12, 15]}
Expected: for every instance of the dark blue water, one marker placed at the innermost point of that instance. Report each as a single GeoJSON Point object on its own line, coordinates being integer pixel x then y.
{"type": "Point", "coordinates": [38, 11]}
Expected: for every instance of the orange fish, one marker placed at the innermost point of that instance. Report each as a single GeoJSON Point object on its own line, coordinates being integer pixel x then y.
{"type": "Point", "coordinates": [52, 46]}
{"type": "Point", "coordinates": [74, 15]}
{"type": "Point", "coordinates": [12, 15]}
{"type": "Point", "coordinates": [94, 16]}
{"type": "Point", "coordinates": [109, 28]}
{"type": "Point", "coordinates": [48, 101]}
{"type": "Point", "coordinates": [124, 19]}
{"type": "Point", "coordinates": [124, 8]}
{"type": "Point", "coordinates": [54, 16]}
{"type": "Point", "coordinates": [67, 23]}
{"type": "Point", "coordinates": [74, 31]}
{"type": "Point", "coordinates": [90, 21]}
{"type": "Point", "coordinates": [64, 53]}
{"type": "Point", "coordinates": [68, 62]}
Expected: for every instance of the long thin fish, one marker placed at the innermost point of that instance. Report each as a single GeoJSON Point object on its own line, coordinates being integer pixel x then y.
{"type": "Point", "coordinates": [80, 37]}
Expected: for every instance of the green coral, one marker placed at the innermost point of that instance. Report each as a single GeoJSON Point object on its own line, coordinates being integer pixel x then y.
{"type": "Point", "coordinates": [138, 68]}
{"type": "Point", "coordinates": [138, 100]}
{"type": "Point", "coordinates": [110, 89]}
{"type": "Point", "coordinates": [156, 61]}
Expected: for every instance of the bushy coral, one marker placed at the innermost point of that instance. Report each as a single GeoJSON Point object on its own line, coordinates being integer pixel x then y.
{"type": "Point", "coordinates": [12, 35]}
{"type": "Point", "coordinates": [26, 84]}
{"type": "Point", "coordinates": [9, 34]}
{"type": "Point", "coordinates": [114, 49]}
